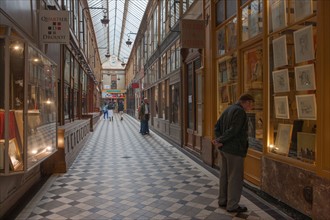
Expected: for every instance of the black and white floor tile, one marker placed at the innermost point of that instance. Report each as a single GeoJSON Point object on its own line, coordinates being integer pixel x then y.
{"type": "Point", "coordinates": [121, 174]}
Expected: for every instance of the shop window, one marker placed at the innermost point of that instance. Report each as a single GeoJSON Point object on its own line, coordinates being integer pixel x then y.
{"type": "Point", "coordinates": [252, 19]}
{"type": "Point", "coordinates": [175, 103]}
{"type": "Point", "coordinates": [292, 79]}
{"type": "Point", "coordinates": [220, 7]}
{"type": "Point", "coordinates": [193, 93]}
{"type": "Point", "coordinates": [253, 84]}
{"type": "Point", "coordinates": [227, 82]}
{"type": "Point", "coordinates": [227, 37]}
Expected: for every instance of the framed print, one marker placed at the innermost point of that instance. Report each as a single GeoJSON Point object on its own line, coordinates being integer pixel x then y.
{"type": "Point", "coordinates": [251, 124]}
{"type": "Point", "coordinates": [232, 69]}
{"type": "Point", "coordinates": [305, 77]}
{"type": "Point", "coordinates": [306, 106]}
{"type": "Point", "coordinates": [306, 145]}
{"type": "Point", "coordinates": [14, 154]}
{"type": "Point", "coordinates": [304, 44]}
{"type": "Point", "coordinates": [281, 81]}
{"type": "Point", "coordinates": [281, 107]}
{"type": "Point", "coordinates": [224, 94]}
{"type": "Point", "coordinates": [221, 41]}
{"type": "Point", "coordinates": [231, 30]}
{"type": "Point", "coordinates": [280, 52]}
{"type": "Point", "coordinates": [233, 93]}
{"type": "Point", "coordinates": [258, 98]}
{"type": "Point", "coordinates": [283, 138]}
{"type": "Point", "coordinates": [302, 8]}
{"type": "Point", "coordinates": [253, 68]}
{"type": "Point", "coordinates": [223, 78]}
{"type": "Point", "coordinates": [279, 17]}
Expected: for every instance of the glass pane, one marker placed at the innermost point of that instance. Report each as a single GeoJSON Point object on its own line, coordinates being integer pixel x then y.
{"type": "Point", "coordinates": [231, 7]}
{"type": "Point", "coordinates": [2, 103]}
{"type": "Point", "coordinates": [293, 92]}
{"type": "Point", "coordinates": [227, 82]}
{"type": "Point", "coordinates": [221, 41]}
{"type": "Point", "coordinates": [252, 20]}
{"type": "Point", "coordinates": [220, 11]}
{"type": "Point", "coordinates": [253, 83]}
{"type": "Point", "coordinates": [16, 129]}
{"type": "Point", "coordinates": [41, 117]}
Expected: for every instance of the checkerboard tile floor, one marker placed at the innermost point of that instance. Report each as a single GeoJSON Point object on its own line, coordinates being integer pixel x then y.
{"type": "Point", "coordinates": [121, 174]}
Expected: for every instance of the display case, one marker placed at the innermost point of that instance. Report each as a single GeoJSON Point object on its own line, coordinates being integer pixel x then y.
{"type": "Point", "coordinates": [28, 105]}
{"type": "Point", "coordinates": [292, 80]}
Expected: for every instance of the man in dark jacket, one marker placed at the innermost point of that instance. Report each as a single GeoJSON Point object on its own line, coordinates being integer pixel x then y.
{"type": "Point", "coordinates": [232, 142]}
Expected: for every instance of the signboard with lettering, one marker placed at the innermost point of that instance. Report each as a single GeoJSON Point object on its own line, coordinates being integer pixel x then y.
{"type": "Point", "coordinates": [54, 26]}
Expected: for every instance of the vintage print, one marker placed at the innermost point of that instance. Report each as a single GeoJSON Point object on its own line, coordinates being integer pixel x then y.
{"type": "Point", "coordinates": [306, 106]}
{"type": "Point", "coordinates": [281, 107]}
{"type": "Point", "coordinates": [304, 44]}
{"type": "Point", "coordinates": [253, 68]}
{"type": "Point", "coordinates": [283, 138]}
{"type": "Point", "coordinates": [305, 77]}
{"type": "Point", "coordinates": [281, 81]}
{"type": "Point", "coordinates": [306, 145]}
{"type": "Point", "coordinates": [280, 52]}
{"type": "Point", "coordinates": [232, 69]}
{"type": "Point", "coordinates": [224, 94]}
{"type": "Point", "coordinates": [279, 17]}
{"type": "Point", "coordinates": [302, 9]}
{"type": "Point", "coordinates": [221, 42]}
{"type": "Point", "coordinates": [223, 77]}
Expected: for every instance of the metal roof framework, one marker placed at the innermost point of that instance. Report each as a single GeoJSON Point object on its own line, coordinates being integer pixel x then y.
{"type": "Point", "coordinates": [124, 20]}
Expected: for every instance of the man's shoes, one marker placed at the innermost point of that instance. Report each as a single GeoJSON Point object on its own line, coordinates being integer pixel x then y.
{"type": "Point", "coordinates": [222, 205]}
{"type": "Point", "coordinates": [238, 209]}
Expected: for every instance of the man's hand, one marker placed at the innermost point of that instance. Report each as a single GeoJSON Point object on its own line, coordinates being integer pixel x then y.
{"type": "Point", "coordinates": [216, 143]}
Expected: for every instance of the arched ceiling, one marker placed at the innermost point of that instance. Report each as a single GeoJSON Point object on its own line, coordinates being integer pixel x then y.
{"type": "Point", "coordinates": [124, 17]}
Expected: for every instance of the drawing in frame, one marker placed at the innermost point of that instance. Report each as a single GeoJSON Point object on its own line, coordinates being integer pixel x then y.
{"type": "Point", "coordinates": [281, 107]}
{"type": "Point", "coordinates": [305, 77]}
{"type": "Point", "coordinates": [302, 8]}
{"type": "Point", "coordinates": [224, 94]}
{"type": "Point", "coordinates": [281, 81]}
{"type": "Point", "coordinates": [304, 44]}
{"type": "Point", "coordinates": [283, 138]}
{"type": "Point", "coordinates": [306, 145]}
{"type": "Point", "coordinates": [222, 68]}
{"type": "Point", "coordinates": [280, 52]}
{"type": "Point", "coordinates": [279, 17]}
{"type": "Point", "coordinates": [306, 106]}
{"type": "Point", "coordinates": [14, 154]}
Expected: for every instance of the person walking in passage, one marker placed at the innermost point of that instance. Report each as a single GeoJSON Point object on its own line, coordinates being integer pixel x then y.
{"type": "Point", "coordinates": [144, 114]}
{"type": "Point", "coordinates": [232, 141]}
{"type": "Point", "coordinates": [110, 110]}
{"type": "Point", "coordinates": [105, 111]}
{"type": "Point", "coordinates": [121, 109]}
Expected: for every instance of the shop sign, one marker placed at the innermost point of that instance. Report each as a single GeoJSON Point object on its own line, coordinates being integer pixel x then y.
{"type": "Point", "coordinates": [192, 33]}
{"type": "Point", "coordinates": [54, 26]}
{"type": "Point", "coordinates": [135, 85]}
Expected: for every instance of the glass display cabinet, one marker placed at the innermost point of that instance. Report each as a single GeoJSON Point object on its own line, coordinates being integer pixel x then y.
{"type": "Point", "coordinates": [28, 129]}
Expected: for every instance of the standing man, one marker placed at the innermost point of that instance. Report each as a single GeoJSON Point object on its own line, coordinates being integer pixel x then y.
{"type": "Point", "coordinates": [144, 114]}
{"type": "Point", "coordinates": [232, 141]}
{"type": "Point", "coordinates": [121, 109]}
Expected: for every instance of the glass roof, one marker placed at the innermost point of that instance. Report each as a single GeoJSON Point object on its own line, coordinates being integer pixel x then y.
{"type": "Point", "coordinates": [125, 17]}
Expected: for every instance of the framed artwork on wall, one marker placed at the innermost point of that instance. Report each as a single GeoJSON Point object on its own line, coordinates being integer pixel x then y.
{"type": "Point", "coordinates": [283, 138]}
{"type": "Point", "coordinates": [305, 77]}
{"type": "Point", "coordinates": [281, 107]}
{"type": "Point", "coordinates": [306, 106]}
{"type": "Point", "coordinates": [302, 8]}
{"type": "Point", "coordinates": [253, 68]}
{"type": "Point", "coordinates": [279, 17]}
{"type": "Point", "coordinates": [304, 44]}
{"type": "Point", "coordinates": [280, 52]}
{"type": "Point", "coordinates": [224, 94]}
{"type": "Point", "coordinates": [281, 81]}
{"type": "Point", "coordinates": [306, 145]}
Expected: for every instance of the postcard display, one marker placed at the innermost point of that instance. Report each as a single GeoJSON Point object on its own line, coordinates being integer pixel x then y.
{"type": "Point", "coordinates": [292, 45]}
{"type": "Point", "coordinates": [31, 116]}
